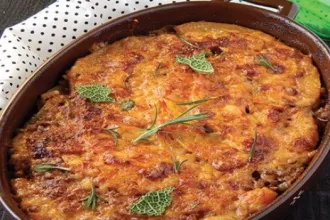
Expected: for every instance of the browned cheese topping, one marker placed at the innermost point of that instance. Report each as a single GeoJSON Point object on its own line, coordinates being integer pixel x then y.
{"type": "Point", "coordinates": [260, 94]}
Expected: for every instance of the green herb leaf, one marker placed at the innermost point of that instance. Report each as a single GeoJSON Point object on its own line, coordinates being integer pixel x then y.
{"type": "Point", "coordinates": [196, 126]}
{"type": "Point", "coordinates": [155, 118]}
{"type": "Point", "coordinates": [92, 199]}
{"type": "Point", "coordinates": [95, 93]}
{"type": "Point", "coordinates": [253, 145]}
{"type": "Point", "coordinates": [181, 119]}
{"type": "Point", "coordinates": [196, 102]}
{"type": "Point", "coordinates": [127, 105]}
{"type": "Point", "coordinates": [197, 63]}
{"type": "Point", "coordinates": [262, 61]}
{"type": "Point", "coordinates": [40, 168]}
{"type": "Point", "coordinates": [153, 203]}
{"type": "Point", "coordinates": [113, 133]}
{"type": "Point", "coordinates": [186, 42]}
{"type": "Point", "coordinates": [177, 164]}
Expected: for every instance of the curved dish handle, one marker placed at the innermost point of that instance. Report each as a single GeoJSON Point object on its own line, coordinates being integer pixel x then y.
{"type": "Point", "coordinates": [284, 7]}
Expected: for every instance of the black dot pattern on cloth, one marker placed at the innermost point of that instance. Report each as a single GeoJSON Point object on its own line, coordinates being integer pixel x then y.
{"type": "Point", "coordinates": [27, 45]}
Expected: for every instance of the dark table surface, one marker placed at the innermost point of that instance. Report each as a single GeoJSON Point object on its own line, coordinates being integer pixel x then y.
{"type": "Point", "coordinates": [314, 203]}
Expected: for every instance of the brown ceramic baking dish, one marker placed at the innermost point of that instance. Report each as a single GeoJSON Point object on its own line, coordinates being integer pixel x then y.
{"type": "Point", "coordinates": [23, 104]}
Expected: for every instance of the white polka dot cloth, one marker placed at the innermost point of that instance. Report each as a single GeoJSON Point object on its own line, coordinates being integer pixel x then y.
{"type": "Point", "coordinates": [25, 46]}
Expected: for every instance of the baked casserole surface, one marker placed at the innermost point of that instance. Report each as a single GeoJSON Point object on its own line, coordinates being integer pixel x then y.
{"type": "Point", "coordinates": [256, 138]}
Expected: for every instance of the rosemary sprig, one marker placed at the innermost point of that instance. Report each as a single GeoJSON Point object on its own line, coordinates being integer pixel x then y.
{"type": "Point", "coordinates": [262, 61]}
{"type": "Point", "coordinates": [253, 146]}
{"type": "Point", "coordinates": [177, 164]}
{"type": "Point", "coordinates": [91, 199]}
{"type": "Point", "coordinates": [178, 120]}
{"type": "Point", "coordinates": [155, 118]}
{"type": "Point", "coordinates": [40, 168]}
{"type": "Point", "coordinates": [114, 133]}
{"type": "Point", "coordinates": [195, 126]}
{"type": "Point", "coordinates": [196, 101]}
{"type": "Point", "coordinates": [186, 42]}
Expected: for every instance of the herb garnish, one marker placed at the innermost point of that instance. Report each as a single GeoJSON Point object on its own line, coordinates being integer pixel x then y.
{"type": "Point", "coordinates": [153, 203]}
{"type": "Point", "coordinates": [155, 118]}
{"type": "Point", "coordinates": [113, 133]}
{"type": "Point", "coordinates": [95, 93]}
{"type": "Point", "coordinates": [262, 61]}
{"type": "Point", "coordinates": [91, 199]}
{"type": "Point", "coordinates": [253, 146]}
{"type": "Point", "coordinates": [186, 42]}
{"type": "Point", "coordinates": [127, 105]}
{"type": "Point", "coordinates": [40, 168]}
{"type": "Point", "coordinates": [177, 164]}
{"type": "Point", "coordinates": [195, 126]}
{"type": "Point", "coordinates": [181, 119]}
{"type": "Point", "coordinates": [196, 102]}
{"type": "Point", "coordinates": [197, 63]}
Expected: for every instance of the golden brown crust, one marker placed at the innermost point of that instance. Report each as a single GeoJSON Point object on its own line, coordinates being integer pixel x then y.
{"type": "Point", "coordinates": [218, 179]}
